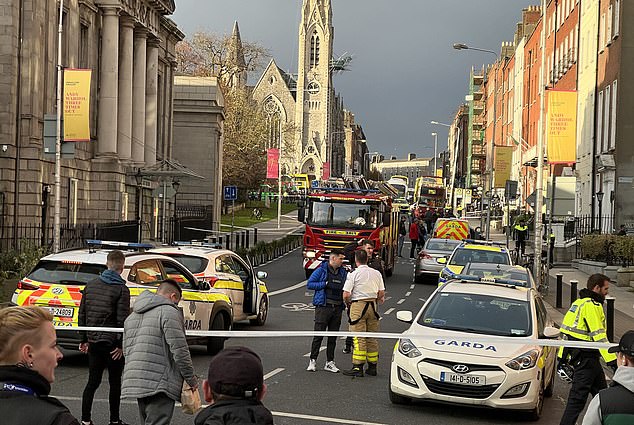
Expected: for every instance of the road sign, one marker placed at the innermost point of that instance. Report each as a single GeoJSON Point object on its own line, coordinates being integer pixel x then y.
{"type": "Point", "coordinates": [231, 193]}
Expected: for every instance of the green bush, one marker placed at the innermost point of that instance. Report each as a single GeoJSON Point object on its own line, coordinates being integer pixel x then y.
{"type": "Point", "coordinates": [624, 248]}
{"type": "Point", "coordinates": [15, 264]}
{"type": "Point", "coordinates": [266, 250]}
{"type": "Point", "coordinates": [598, 247]}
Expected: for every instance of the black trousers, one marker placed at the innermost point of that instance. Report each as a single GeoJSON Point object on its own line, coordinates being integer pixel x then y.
{"type": "Point", "coordinates": [327, 317]}
{"type": "Point", "coordinates": [413, 248]}
{"type": "Point", "coordinates": [588, 379]}
{"type": "Point", "coordinates": [521, 246]}
{"type": "Point", "coordinates": [99, 358]}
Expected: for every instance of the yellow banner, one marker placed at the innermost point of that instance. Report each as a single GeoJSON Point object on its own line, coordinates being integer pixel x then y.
{"type": "Point", "coordinates": [561, 124]}
{"type": "Point", "coordinates": [77, 105]}
{"type": "Point", "coordinates": [502, 165]}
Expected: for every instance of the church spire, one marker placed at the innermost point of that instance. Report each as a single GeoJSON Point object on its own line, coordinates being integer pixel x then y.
{"type": "Point", "coordinates": [236, 61]}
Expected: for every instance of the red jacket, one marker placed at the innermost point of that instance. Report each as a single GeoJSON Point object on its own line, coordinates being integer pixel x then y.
{"type": "Point", "coordinates": [413, 231]}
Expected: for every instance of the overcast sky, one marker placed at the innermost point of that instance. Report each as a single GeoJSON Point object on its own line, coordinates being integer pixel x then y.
{"type": "Point", "coordinates": [404, 72]}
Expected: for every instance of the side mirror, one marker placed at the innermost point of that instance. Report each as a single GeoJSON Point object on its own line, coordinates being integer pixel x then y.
{"type": "Point", "coordinates": [386, 219]}
{"type": "Point", "coordinates": [203, 285]}
{"type": "Point", "coordinates": [301, 215]}
{"type": "Point", "coordinates": [262, 275]}
{"type": "Point", "coordinates": [405, 316]}
{"type": "Point", "coordinates": [550, 332]}
{"type": "Point", "coordinates": [441, 260]}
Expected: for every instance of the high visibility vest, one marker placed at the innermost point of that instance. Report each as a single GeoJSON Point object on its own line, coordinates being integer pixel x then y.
{"type": "Point", "coordinates": [585, 321]}
{"type": "Point", "coordinates": [520, 228]}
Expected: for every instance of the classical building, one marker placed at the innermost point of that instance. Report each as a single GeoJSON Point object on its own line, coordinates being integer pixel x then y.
{"type": "Point", "coordinates": [412, 167]}
{"type": "Point", "coordinates": [129, 46]}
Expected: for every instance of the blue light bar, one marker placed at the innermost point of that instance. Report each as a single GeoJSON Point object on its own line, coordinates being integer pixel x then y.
{"type": "Point", "coordinates": [117, 244]}
{"type": "Point", "coordinates": [492, 279]}
{"type": "Point", "coordinates": [198, 243]}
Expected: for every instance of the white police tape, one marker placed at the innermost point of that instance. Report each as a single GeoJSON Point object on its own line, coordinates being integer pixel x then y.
{"type": "Point", "coordinates": [379, 335]}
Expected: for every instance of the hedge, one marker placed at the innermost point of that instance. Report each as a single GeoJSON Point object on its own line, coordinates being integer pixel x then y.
{"type": "Point", "coordinates": [608, 248]}
{"type": "Point", "coordinates": [262, 252]}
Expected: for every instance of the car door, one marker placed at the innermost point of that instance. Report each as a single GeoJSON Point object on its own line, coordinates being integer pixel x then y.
{"type": "Point", "coordinates": [250, 291]}
{"type": "Point", "coordinates": [231, 283]}
{"type": "Point", "coordinates": [543, 320]}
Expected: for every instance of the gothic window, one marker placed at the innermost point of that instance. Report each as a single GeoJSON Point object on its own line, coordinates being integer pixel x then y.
{"type": "Point", "coordinates": [314, 50]}
{"type": "Point", "coordinates": [274, 114]}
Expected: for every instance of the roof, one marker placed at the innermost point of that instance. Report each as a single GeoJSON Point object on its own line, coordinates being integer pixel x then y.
{"type": "Point", "coordinates": [484, 288]}
{"type": "Point", "coordinates": [98, 256]}
{"type": "Point", "coordinates": [199, 251]}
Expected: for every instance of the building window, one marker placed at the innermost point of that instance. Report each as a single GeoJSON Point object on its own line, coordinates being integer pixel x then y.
{"type": "Point", "coordinates": [613, 117]}
{"type": "Point", "coordinates": [617, 18]}
{"type": "Point", "coordinates": [83, 46]}
{"type": "Point", "coordinates": [602, 33]}
{"type": "Point", "coordinates": [314, 50]}
{"type": "Point", "coordinates": [606, 119]}
{"type": "Point", "coordinates": [608, 29]}
{"type": "Point", "coordinates": [599, 134]}
{"type": "Point", "coordinates": [72, 202]}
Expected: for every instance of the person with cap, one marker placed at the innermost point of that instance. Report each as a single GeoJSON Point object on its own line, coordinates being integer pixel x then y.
{"type": "Point", "coordinates": [615, 405]}
{"type": "Point", "coordinates": [234, 389]}
{"type": "Point", "coordinates": [585, 321]}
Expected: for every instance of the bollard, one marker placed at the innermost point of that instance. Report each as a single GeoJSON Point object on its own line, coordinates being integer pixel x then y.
{"type": "Point", "coordinates": [255, 235]}
{"type": "Point", "coordinates": [610, 317]}
{"type": "Point", "coordinates": [560, 284]}
{"type": "Point", "coordinates": [248, 237]}
{"type": "Point", "coordinates": [213, 240]}
{"type": "Point", "coordinates": [244, 239]}
{"type": "Point", "coordinates": [573, 291]}
{"type": "Point", "coordinates": [228, 241]}
{"type": "Point", "coordinates": [237, 240]}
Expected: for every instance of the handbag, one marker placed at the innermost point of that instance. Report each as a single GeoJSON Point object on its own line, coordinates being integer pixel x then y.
{"type": "Point", "coordinates": [190, 399]}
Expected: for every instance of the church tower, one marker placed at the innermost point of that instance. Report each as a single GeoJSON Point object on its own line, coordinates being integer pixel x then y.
{"type": "Point", "coordinates": [237, 77]}
{"type": "Point", "coordinates": [314, 87]}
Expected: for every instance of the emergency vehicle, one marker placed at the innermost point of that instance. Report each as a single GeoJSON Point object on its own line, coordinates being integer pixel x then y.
{"type": "Point", "coordinates": [335, 217]}
{"type": "Point", "coordinates": [57, 280]}
{"type": "Point", "coordinates": [399, 183]}
{"type": "Point", "coordinates": [471, 251]}
{"type": "Point", "coordinates": [444, 355]}
{"type": "Point", "coordinates": [451, 228]}
{"type": "Point", "coordinates": [429, 192]}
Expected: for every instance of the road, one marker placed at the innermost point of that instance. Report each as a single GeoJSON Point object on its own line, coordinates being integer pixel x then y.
{"type": "Point", "coordinates": [300, 397]}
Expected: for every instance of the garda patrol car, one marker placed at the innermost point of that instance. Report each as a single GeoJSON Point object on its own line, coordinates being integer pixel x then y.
{"type": "Point", "coordinates": [445, 356]}
{"type": "Point", "coordinates": [56, 282]}
{"type": "Point", "coordinates": [471, 251]}
{"type": "Point", "coordinates": [451, 228]}
{"type": "Point", "coordinates": [227, 272]}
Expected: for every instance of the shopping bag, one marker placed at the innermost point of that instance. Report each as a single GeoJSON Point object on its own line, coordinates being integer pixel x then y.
{"type": "Point", "coordinates": [190, 399]}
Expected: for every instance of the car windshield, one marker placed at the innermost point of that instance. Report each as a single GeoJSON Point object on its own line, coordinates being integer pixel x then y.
{"type": "Point", "coordinates": [493, 272]}
{"type": "Point", "coordinates": [63, 273]}
{"type": "Point", "coordinates": [463, 256]}
{"type": "Point", "coordinates": [447, 245]}
{"type": "Point", "coordinates": [481, 314]}
{"type": "Point", "coordinates": [193, 263]}
{"type": "Point", "coordinates": [339, 214]}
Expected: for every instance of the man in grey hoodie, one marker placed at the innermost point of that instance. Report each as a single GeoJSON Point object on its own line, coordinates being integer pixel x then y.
{"type": "Point", "coordinates": [157, 355]}
{"type": "Point", "coordinates": [615, 405]}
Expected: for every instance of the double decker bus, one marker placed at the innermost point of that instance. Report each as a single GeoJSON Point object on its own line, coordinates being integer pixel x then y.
{"type": "Point", "coordinates": [429, 192]}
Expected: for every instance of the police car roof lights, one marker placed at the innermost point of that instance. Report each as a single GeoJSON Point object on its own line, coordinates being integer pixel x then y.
{"type": "Point", "coordinates": [198, 244]}
{"type": "Point", "coordinates": [480, 242]}
{"type": "Point", "coordinates": [467, 278]}
{"type": "Point", "coordinates": [97, 243]}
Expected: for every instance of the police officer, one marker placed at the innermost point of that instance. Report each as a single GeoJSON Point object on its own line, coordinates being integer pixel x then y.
{"type": "Point", "coordinates": [521, 234]}
{"type": "Point", "coordinates": [615, 405]}
{"type": "Point", "coordinates": [585, 321]}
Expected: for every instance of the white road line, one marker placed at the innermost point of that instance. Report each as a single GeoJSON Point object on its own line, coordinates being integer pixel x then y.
{"type": "Point", "coordinates": [412, 286]}
{"type": "Point", "coordinates": [273, 372]}
{"type": "Point", "coordinates": [322, 348]}
{"type": "Point", "coordinates": [290, 288]}
{"type": "Point", "coordinates": [408, 293]}
{"type": "Point", "coordinates": [324, 419]}
{"type": "Point", "coordinates": [389, 311]}
{"type": "Point", "coordinates": [401, 301]}
{"type": "Point", "coordinates": [422, 299]}
{"type": "Point", "coordinates": [388, 298]}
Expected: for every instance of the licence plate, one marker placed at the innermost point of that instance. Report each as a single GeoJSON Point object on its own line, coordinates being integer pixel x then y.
{"type": "Point", "coordinates": [61, 311]}
{"type": "Point", "coordinates": [460, 379]}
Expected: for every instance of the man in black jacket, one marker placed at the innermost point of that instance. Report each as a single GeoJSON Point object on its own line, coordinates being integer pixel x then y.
{"type": "Point", "coordinates": [235, 388]}
{"type": "Point", "coordinates": [106, 303]}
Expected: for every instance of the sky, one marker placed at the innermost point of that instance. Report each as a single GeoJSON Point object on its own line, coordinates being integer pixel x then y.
{"type": "Point", "coordinates": [404, 72]}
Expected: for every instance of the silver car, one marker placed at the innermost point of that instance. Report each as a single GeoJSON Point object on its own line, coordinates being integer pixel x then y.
{"type": "Point", "coordinates": [432, 258]}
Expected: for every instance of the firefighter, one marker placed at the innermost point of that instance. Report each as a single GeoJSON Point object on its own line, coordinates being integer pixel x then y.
{"type": "Point", "coordinates": [521, 234]}
{"type": "Point", "coordinates": [585, 321]}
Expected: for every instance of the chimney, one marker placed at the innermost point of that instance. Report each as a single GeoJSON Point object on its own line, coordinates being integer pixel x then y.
{"type": "Point", "coordinates": [411, 156]}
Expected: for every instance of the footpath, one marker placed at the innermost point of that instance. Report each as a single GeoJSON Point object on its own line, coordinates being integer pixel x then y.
{"type": "Point", "coordinates": [268, 231]}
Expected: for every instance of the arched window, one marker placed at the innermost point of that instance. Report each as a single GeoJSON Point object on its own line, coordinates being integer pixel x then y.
{"type": "Point", "coordinates": [274, 114]}
{"type": "Point", "coordinates": [314, 50]}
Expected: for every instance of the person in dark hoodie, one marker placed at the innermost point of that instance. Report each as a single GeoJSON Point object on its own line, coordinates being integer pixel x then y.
{"type": "Point", "coordinates": [235, 388]}
{"type": "Point", "coordinates": [105, 302]}
{"type": "Point", "coordinates": [28, 358]}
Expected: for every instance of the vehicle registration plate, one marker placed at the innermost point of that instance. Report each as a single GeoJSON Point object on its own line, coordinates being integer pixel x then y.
{"type": "Point", "coordinates": [457, 378]}
{"type": "Point", "coordinates": [61, 311]}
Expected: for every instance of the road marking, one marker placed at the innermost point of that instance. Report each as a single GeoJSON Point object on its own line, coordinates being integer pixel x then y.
{"type": "Point", "coordinates": [290, 288]}
{"type": "Point", "coordinates": [389, 311]}
{"type": "Point", "coordinates": [412, 286]}
{"type": "Point", "coordinates": [407, 294]}
{"type": "Point", "coordinates": [422, 299]}
{"type": "Point", "coordinates": [298, 306]}
{"type": "Point", "coordinates": [273, 372]}
{"type": "Point", "coordinates": [388, 298]}
{"type": "Point", "coordinates": [401, 301]}
{"type": "Point", "coordinates": [324, 419]}
{"type": "Point", "coordinates": [322, 348]}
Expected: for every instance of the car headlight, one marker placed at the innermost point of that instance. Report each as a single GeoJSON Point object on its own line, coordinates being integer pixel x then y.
{"type": "Point", "coordinates": [525, 361]}
{"type": "Point", "coordinates": [408, 349]}
{"type": "Point", "coordinates": [310, 254]}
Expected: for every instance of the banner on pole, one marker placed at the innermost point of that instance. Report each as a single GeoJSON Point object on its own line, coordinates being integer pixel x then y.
{"type": "Point", "coordinates": [502, 165]}
{"type": "Point", "coordinates": [77, 105]}
{"type": "Point", "coordinates": [326, 174]}
{"type": "Point", "coordinates": [561, 124]}
{"type": "Point", "coordinates": [272, 163]}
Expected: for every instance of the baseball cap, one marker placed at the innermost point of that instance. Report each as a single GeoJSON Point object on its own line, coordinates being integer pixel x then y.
{"type": "Point", "coordinates": [236, 372]}
{"type": "Point", "coordinates": [626, 344]}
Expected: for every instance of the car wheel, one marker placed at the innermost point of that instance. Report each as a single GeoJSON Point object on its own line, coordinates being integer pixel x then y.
{"type": "Point", "coordinates": [536, 413]}
{"type": "Point", "coordinates": [550, 389]}
{"type": "Point", "coordinates": [215, 344]}
{"type": "Point", "coordinates": [397, 398]}
{"type": "Point", "coordinates": [263, 312]}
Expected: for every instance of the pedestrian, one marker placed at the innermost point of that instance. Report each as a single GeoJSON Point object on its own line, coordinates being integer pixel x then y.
{"type": "Point", "coordinates": [615, 405]}
{"type": "Point", "coordinates": [362, 292]}
{"type": "Point", "coordinates": [402, 232]}
{"type": "Point", "coordinates": [28, 358]}
{"type": "Point", "coordinates": [105, 302]}
{"type": "Point", "coordinates": [520, 231]}
{"type": "Point", "coordinates": [157, 355]}
{"type": "Point", "coordinates": [414, 233]}
{"type": "Point", "coordinates": [585, 321]}
{"type": "Point", "coordinates": [622, 231]}
{"type": "Point", "coordinates": [422, 234]}
{"type": "Point", "coordinates": [327, 281]}
{"type": "Point", "coordinates": [429, 220]}
{"type": "Point", "coordinates": [235, 388]}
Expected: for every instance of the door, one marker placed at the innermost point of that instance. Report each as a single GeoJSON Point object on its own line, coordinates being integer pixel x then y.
{"type": "Point", "coordinates": [231, 284]}
{"type": "Point", "coordinates": [250, 288]}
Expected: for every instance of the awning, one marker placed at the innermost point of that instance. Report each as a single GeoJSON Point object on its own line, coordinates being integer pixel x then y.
{"type": "Point", "coordinates": [168, 168]}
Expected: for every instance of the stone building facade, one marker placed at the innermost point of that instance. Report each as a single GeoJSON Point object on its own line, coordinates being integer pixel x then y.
{"type": "Point", "coordinates": [129, 46]}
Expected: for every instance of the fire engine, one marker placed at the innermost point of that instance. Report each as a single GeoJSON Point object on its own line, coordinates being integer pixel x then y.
{"type": "Point", "coordinates": [337, 216]}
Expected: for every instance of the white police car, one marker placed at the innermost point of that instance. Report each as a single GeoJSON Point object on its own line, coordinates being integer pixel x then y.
{"type": "Point", "coordinates": [445, 356]}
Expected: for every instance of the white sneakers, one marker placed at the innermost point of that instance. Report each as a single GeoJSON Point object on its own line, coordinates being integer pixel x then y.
{"type": "Point", "coordinates": [330, 366]}
{"type": "Point", "coordinates": [312, 365]}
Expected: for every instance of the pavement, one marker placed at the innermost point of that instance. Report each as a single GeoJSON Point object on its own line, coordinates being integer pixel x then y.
{"type": "Point", "coordinates": [268, 230]}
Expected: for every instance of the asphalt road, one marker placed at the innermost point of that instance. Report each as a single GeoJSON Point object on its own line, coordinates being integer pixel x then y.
{"type": "Point", "coordinates": [300, 397]}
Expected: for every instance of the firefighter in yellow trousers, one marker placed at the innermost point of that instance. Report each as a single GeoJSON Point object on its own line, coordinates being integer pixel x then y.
{"type": "Point", "coordinates": [363, 291]}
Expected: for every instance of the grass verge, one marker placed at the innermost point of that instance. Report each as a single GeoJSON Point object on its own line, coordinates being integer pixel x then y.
{"type": "Point", "coordinates": [243, 218]}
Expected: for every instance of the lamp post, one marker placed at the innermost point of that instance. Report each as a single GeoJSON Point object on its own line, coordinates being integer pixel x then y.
{"type": "Point", "coordinates": [435, 152]}
{"type": "Point", "coordinates": [139, 199]}
{"type": "Point", "coordinates": [175, 184]}
{"type": "Point", "coordinates": [600, 202]}
{"type": "Point", "coordinates": [462, 46]}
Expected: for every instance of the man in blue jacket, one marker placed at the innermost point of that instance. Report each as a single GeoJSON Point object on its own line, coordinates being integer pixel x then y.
{"type": "Point", "coordinates": [327, 281]}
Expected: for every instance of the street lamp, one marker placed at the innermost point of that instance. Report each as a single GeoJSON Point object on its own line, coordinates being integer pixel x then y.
{"type": "Point", "coordinates": [462, 46]}
{"type": "Point", "coordinates": [435, 152]}
{"type": "Point", "coordinates": [175, 227]}
{"type": "Point", "coordinates": [600, 202]}
{"type": "Point", "coordinates": [139, 199]}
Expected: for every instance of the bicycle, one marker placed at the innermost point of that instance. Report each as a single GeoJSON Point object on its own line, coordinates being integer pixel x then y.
{"type": "Point", "coordinates": [544, 278]}
{"type": "Point", "coordinates": [256, 213]}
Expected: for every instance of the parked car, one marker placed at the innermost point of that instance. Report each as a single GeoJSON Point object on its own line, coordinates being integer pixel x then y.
{"type": "Point", "coordinates": [428, 265]}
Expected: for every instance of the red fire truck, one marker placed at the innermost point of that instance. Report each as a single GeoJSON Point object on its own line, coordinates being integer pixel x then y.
{"type": "Point", "coordinates": [335, 217]}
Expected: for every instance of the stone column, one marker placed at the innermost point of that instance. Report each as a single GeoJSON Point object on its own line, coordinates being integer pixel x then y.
{"type": "Point", "coordinates": [124, 120]}
{"type": "Point", "coordinates": [138, 96]}
{"type": "Point", "coordinates": [108, 79]}
{"type": "Point", "coordinates": [170, 105]}
{"type": "Point", "coordinates": [151, 98]}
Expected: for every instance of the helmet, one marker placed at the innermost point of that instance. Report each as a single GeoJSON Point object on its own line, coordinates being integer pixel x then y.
{"type": "Point", "coordinates": [359, 221]}
{"type": "Point", "coordinates": [565, 372]}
